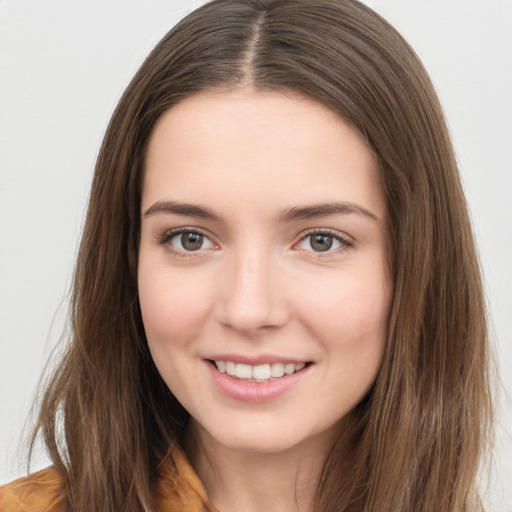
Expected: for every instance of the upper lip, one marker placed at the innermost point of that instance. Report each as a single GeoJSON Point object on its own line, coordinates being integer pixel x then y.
{"type": "Point", "coordinates": [255, 360]}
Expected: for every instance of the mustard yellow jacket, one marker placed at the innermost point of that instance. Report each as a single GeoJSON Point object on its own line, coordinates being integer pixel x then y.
{"type": "Point", "coordinates": [178, 490]}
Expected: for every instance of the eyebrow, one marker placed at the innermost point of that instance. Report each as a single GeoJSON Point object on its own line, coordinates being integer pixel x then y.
{"type": "Point", "coordinates": [190, 210]}
{"type": "Point", "coordinates": [290, 214]}
{"type": "Point", "coordinates": [323, 210]}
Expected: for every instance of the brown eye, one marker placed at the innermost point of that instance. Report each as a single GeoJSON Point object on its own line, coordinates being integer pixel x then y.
{"type": "Point", "coordinates": [320, 242]}
{"type": "Point", "coordinates": [190, 241]}
{"type": "Point", "coordinates": [324, 241]}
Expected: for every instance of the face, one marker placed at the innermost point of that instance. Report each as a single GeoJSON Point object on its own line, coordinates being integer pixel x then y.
{"type": "Point", "coordinates": [262, 268]}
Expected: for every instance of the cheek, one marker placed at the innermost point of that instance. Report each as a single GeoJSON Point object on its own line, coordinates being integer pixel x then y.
{"type": "Point", "coordinates": [352, 316]}
{"type": "Point", "coordinates": [170, 306]}
{"type": "Point", "coordinates": [351, 324]}
{"type": "Point", "coordinates": [173, 318]}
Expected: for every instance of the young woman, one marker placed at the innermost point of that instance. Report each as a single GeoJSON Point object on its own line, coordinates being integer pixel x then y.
{"type": "Point", "coordinates": [277, 303]}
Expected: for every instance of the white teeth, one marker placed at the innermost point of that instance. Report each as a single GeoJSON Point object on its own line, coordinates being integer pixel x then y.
{"type": "Point", "coordinates": [277, 370]}
{"type": "Point", "coordinates": [230, 368]}
{"type": "Point", "coordinates": [259, 373]}
{"type": "Point", "coordinates": [289, 368]}
{"type": "Point", "coordinates": [243, 371]}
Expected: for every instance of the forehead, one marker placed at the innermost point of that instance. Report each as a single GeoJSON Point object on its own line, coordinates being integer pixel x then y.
{"type": "Point", "coordinates": [244, 146]}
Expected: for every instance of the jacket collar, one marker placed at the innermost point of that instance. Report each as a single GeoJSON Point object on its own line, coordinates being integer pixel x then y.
{"type": "Point", "coordinates": [178, 487]}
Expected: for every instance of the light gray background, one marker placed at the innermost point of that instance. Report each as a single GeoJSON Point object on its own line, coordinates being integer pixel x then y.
{"type": "Point", "coordinates": [63, 66]}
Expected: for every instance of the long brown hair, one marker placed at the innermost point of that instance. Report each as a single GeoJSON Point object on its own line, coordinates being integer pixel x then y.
{"type": "Point", "coordinates": [416, 440]}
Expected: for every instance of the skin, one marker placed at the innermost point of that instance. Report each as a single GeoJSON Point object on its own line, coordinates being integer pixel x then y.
{"type": "Point", "coordinates": [257, 288]}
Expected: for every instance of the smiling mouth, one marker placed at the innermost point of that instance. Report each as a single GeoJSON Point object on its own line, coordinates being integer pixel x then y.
{"type": "Point", "coordinates": [261, 373]}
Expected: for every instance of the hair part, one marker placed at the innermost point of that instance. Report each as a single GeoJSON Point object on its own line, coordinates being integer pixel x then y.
{"type": "Point", "coordinates": [417, 438]}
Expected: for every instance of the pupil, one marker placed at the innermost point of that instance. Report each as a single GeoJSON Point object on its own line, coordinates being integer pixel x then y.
{"type": "Point", "coordinates": [191, 241]}
{"type": "Point", "coordinates": [321, 243]}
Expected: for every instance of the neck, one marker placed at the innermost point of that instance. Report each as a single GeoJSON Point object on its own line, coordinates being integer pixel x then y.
{"type": "Point", "coordinates": [253, 481]}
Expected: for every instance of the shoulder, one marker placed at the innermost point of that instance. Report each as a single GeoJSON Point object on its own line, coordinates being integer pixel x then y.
{"type": "Point", "coordinates": [39, 492]}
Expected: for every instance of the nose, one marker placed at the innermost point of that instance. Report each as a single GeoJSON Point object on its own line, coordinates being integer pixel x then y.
{"type": "Point", "coordinates": [252, 293]}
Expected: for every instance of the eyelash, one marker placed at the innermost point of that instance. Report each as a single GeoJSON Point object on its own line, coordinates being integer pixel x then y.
{"type": "Point", "coordinates": [344, 242]}
{"type": "Point", "coordinates": [167, 237]}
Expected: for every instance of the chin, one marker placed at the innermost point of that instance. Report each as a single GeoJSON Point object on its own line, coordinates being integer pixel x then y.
{"type": "Point", "coordinates": [261, 437]}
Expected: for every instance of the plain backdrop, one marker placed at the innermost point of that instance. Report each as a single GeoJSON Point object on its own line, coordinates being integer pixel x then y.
{"type": "Point", "coordinates": [63, 66]}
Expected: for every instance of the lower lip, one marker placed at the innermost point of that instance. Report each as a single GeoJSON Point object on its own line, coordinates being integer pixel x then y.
{"type": "Point", "coordinates": [254, 392]}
